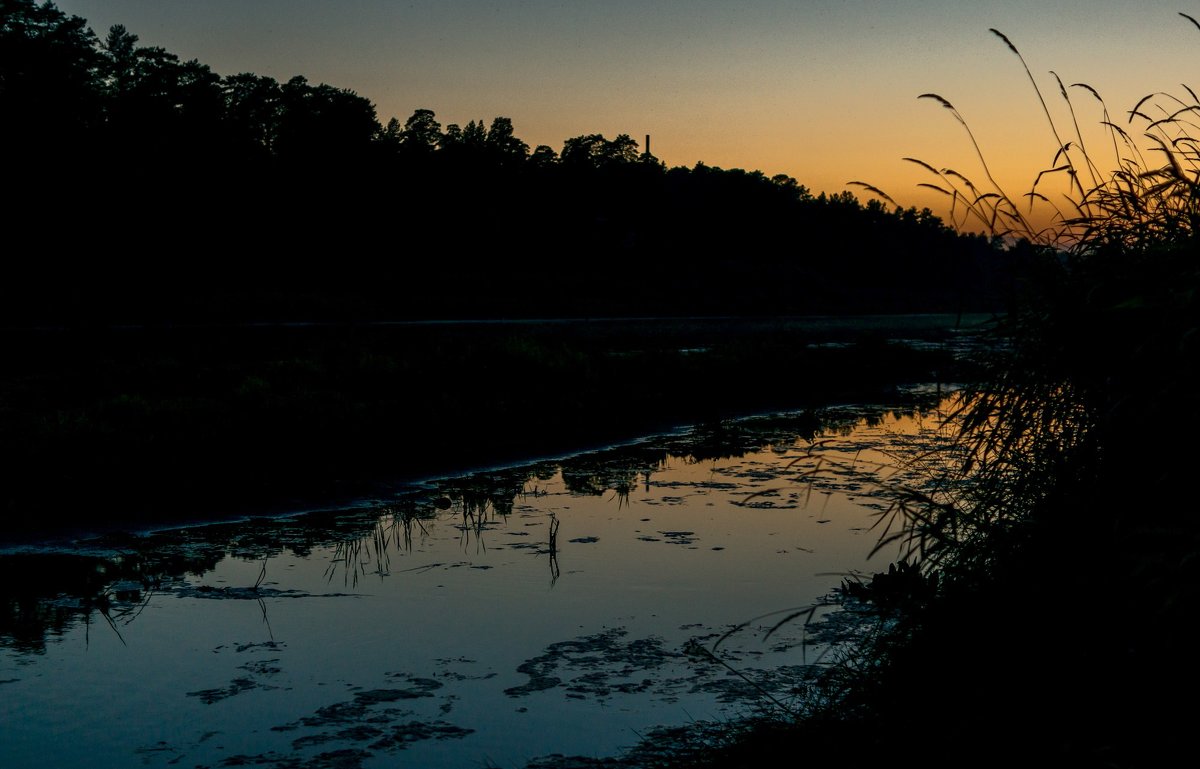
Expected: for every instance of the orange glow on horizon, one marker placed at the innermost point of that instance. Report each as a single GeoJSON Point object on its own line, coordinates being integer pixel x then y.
{"type": "Point", "coordinates": [826, 93]}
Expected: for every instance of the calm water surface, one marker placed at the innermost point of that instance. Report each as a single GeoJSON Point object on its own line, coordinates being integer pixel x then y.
{"type": "Point", "coordinates": [484, 621]}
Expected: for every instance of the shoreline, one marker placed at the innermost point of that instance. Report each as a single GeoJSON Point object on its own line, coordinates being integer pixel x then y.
{"type": "Point", "coordinates": [224, 425]}
{"type": "Point", "coordinates": [77, 540]}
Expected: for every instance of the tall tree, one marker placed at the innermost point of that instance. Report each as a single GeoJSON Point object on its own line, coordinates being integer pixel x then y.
{"type": "Point", "coordinates": [422, 132]}
{"type": "Point", "coordinates": [325, 125]}
{"type": "Point", "coordinates": [157, 107]}
{"type": "Point", "coordinates": [474, 136]}
{"type": "Point", "coordinates": [49, 84]}
{"type": "Point", "coordinates": [593, 150]}
{"type": "Point", "coordinates": [502, 143]}
{"type": "Point", "coordinates": [253, 109]}
{"type": "Point", "coordinates": [543, 156]}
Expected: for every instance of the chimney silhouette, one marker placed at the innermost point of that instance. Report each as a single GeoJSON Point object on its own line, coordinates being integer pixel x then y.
{"type": "Point", "coordinates": [647, 144]}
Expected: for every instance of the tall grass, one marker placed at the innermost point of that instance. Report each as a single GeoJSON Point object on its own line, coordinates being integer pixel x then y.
{"type": "Point", "coordinates": [1061, 527]}
{"type": "Point", "coordinates": [1147, 195]}
{"type": "Point", "coordinates": [1066, 508]}
{"type": "Point", "coordinates": [1099, 339]}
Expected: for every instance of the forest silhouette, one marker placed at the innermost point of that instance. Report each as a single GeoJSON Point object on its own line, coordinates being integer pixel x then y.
{"type": "Point", "coordinates": [1055, 618]}
{"type": "Point", "coordinates": [145, 188]}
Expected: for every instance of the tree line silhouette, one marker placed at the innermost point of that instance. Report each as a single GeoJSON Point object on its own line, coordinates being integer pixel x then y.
{"type": "Point", "coordinates": [148, 188]}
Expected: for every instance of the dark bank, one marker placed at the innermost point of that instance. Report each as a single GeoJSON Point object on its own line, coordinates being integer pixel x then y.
{"type": "Point", "coordinates": [145, 425]}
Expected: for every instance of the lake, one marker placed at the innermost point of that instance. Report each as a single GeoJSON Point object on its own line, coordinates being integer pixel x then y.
{"type": "Point", "coordinates": [560, 607]}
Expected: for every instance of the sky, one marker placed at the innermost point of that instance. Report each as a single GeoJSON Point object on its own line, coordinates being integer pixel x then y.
{"type": "Point", "coordinates": [825, 91]}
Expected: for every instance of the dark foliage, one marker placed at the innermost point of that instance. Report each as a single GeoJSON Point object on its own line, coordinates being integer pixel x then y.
{"type": "Point", "coordinates": [140, 187]}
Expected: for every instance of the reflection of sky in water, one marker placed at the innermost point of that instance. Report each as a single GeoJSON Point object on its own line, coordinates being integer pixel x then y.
{"type": "Point", "coordinates": [470, 646]}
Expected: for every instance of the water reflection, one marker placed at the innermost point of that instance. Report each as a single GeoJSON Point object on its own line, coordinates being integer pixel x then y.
{"type": "Point", "coordinates": [475, 611]}
{"type": "Point", "coordinates": [43, 593]}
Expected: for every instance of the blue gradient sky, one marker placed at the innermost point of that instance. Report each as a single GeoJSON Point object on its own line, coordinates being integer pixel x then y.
{"type": "Point", "coordinates": [823, 90]}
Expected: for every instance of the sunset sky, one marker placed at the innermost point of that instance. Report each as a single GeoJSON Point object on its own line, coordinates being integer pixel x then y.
{"type": "Point", "coordinates": [823, 90]}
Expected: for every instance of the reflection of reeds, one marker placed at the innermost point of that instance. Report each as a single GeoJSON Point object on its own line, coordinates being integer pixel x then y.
{"type": "Point", "coordinates": [345, 555]}
{"type": "Point", "coordinates": [405, 521]}
{"type": "Point", "coordinates": [475, 519]}
{"type": "Point", "coordinates": [843, 643]}
{"type": "Point", "coordinates": [553, 543]}
{"type": "Point", "coordinates": [393, 528]}
{"type": "Point", "coordinates": [262, 605]}
{"type": "Point", "coordinates": [262, 576]}
{"type": "Point", "coordinates": [101, 604]}
{"type": "Point", "coordinates": [917, 470]}
{"type": "Point", "coordinates": [552, 548]}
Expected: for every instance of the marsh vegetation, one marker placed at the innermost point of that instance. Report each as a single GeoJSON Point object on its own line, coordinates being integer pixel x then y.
{"type": "Point", "coordinates": [1050, 558]}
